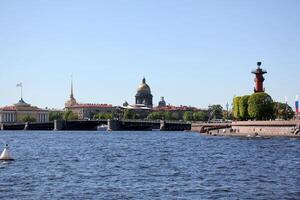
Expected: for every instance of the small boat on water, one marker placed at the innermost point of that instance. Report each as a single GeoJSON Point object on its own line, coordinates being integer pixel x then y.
{"type": "Point", "coordinates": [102, 128]}
{"type": "Point", "coordinates": [5, 155]}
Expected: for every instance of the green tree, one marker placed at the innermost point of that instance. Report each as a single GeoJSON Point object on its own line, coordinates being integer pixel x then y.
{"type": "Point", "coordinates": [236, 111]}
{"type": "Point", "coordinates": [243, 107]}
{"type": "Point", "coordinates": [161, 115]}
{"type": "Point", "coordinates": [153, 116]}
{"type": "Point", "coordinates": [103, 116]}
{"type": "Point", "coordinates": [261, 106]}
{"type": "Point", "coordinates": [129, 114]}
{"type": "Point", "coordinates": [28, 118]}
{"type": "Point", "coordinates": [175, 116]}
{"type": "Point", "coordinates": [227, 115]}
{"type": "Point", "coordinates": [200, 116]}
{"type": "Point", "coordinates": [283, 111]}
{"type": "Point", "coordinates": [216, 111]}
{"type": "Point", "coordinates": [55, 115]}
{"type": "Point", "coordinates": [188, 116]}
{"type": "Point", "coordinates": [167, 115]}
{"type": "Point", "coordinates": [69, 115]}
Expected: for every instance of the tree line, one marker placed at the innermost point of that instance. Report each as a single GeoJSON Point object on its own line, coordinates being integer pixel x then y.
{"type": "Point", "coordinates": [260, 106]}
{"type": "Point", "coordinates": [213, 112]}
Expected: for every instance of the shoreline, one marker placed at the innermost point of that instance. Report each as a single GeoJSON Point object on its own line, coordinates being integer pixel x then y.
{"type": "Point", "coordinates": [249, 135]}
{"type": "Point", "coordinates": [289, 128]}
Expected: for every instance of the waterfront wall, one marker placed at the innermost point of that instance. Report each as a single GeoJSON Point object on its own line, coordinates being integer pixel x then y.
{"type": "Point", "coordinates": [266, 128]}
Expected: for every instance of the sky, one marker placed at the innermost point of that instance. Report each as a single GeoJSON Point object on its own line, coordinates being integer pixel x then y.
{"type": "Point", "coordinates": [192, 52]}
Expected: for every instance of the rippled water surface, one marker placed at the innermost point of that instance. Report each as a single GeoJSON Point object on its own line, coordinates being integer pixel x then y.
{"type": "Point", "coordinates": [148, 165]}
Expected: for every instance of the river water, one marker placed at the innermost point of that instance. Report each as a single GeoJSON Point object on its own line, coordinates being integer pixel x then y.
{"type": "Point", "coordinates": [148, 165]}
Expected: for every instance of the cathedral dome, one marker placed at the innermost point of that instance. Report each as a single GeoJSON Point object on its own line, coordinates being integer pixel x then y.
{"type": "Point", "coordinates": [143, 95]}
{"type": "Point", "coordinates": [144, 87]}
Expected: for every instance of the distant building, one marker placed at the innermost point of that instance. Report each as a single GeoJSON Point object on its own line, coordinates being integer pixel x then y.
{"type": "Point", "coordinates": [140, 110]}
{"type": "Point", "coordinates": [162, 102]}
{"type": "Point", "coordinates": [72, 101]}
{"type": "Point", "coordinates": [143, 95]}
{"type": "Point", "coordinates": [16, 113]}
{"type": "Point", "coordinates": [86, 110]}
{"type": "Point", "coordinates": [125, 104]}
{"type": "Point", "coordinates": [143, 101]}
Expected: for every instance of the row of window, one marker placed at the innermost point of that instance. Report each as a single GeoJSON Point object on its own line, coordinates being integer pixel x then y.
{"type": "Point", "coordinates": [8, 117]}
{"type": "Point", "coordinates": [11, 117]}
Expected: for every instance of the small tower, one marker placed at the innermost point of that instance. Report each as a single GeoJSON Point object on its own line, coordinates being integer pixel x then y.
{"type": "Point", "coordinates": [72, 100]}
{"type": "Point", "coordinates": [259, 78]}
{"type": "Point", "coordinates": [162, 102]}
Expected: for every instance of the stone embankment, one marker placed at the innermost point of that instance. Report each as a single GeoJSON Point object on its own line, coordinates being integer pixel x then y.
{"type": "Point", "coordinates": [260, 128]}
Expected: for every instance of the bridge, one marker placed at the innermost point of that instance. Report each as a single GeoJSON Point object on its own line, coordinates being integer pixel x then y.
{"type": "Point", "coordinates": [112, 125]}
{"type": "Point", "coordinates": [206, 127]}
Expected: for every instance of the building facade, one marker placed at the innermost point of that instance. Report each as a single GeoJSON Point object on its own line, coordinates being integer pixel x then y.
{"type": "Point", "coordinates": [86, 110]}
{"type": "Point", "coordinates": [17, 113]}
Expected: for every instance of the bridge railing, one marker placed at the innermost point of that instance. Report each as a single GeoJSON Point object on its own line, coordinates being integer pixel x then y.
{"type": "Point", "coordinates": [155, 121]}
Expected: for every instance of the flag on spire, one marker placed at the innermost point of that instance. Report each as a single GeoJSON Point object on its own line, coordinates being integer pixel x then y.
{"type": "Point", "coordinates": [297, 104]}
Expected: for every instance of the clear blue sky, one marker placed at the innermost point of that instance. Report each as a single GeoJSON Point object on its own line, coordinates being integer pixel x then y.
{"type": "Point", "coordinates": [192, 52]}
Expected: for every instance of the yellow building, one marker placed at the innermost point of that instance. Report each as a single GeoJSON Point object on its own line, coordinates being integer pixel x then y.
{"type": "Point", "coordinates": [86, 110]}
{"type": "Point", "coordinates": [17, 112]}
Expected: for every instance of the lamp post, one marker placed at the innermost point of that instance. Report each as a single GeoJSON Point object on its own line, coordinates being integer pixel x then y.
{"type": "Point", "coordinates": [227, 111]}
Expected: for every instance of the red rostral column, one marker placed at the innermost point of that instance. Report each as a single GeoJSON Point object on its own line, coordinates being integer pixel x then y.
{"type": "Point", "coordinates": [259, 78]}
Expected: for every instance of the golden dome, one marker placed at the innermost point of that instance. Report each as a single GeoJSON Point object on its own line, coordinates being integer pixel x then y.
{"type": "Point", "coordinates": [144, 87]}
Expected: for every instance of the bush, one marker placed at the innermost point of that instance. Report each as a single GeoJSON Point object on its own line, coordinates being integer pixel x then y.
{"type": "Point", "coordinates": [283, 111]}
{"type": "Point", "coordinates": [200, 116]}
{"type": "Point", "coordinates": [103, 116]}
{"type": "Point", "coordinates": [55, 115]}
{"type": "Point", "coordinates": [188, 116]}
{"type": "Point", "coordinates": [129, 114]}
{"type": "Point", "coordinates": [28, 118]}
{"type": "Point", "coordinates": [236, 110]}
{"type": "Point", "coordinates": [69, 115]}
{"type": "Point", "coordinates": [243, 107]}
{"type": "Point", "coordinates": [261, 106]}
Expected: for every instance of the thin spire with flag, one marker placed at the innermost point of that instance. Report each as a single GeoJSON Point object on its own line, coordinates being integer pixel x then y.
{"type": "Point", "coordinates": [21, 86]}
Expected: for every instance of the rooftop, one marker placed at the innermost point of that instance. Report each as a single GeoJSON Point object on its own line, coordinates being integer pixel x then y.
{"type": "Point", "coordinates": [16, 108]}
{"type": "Point", "coordinates": [174, 108]}
{"type": "Point", "coordinates": [90, 105]}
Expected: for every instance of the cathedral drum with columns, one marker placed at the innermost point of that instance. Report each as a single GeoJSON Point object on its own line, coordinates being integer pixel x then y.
{"type": "Point", "coordinates": [143, 95]}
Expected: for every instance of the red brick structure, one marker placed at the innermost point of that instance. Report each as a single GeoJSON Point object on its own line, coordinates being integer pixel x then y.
{"type": "Point", "coordinates": [259, 78]}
